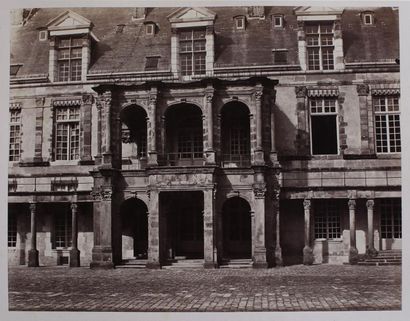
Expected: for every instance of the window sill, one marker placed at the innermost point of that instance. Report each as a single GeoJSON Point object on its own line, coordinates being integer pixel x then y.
{"type": "Point", "coordinates": [389, 156]}
{"type": "Point", "coordinates": [64, 162]}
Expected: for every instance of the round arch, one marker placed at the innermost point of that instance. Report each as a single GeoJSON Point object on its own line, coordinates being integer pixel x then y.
{"type": "Point", "coordinates": [134, 228]}
{"type": "Point", "coordinates": [237, 228]}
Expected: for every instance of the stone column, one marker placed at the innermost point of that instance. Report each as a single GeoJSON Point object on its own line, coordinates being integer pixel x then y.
{"type": "Point", "coordinates": [38, 145]}
{"type": "Point", "coordinates": [371, 251]}
{"type": "Point", "coordinates": [258, 154]}
{"type": "Point", "coordinates": [151, 128]}
{"type": "Point", "coordinates": [210, 261]}
{"type": "Point", "coordinates": [302, 143]}
{"type": "Point", "coordinates": [307, 250]}
{"type": "Point", "coordinates": [153, 231]}
{"type": "Point", "coordinates": [208, 125]}
{"type": "Point", "coordinates": [74, 252]}
{"type": "Point", "coordinates": [106, 101]}
{"type": "Point", "coordinates": [259, 253]}
{"type": "Point", "coordinates": [33, 252]}
{"type": "Point", "coordinates": [102, 252]}
{"type": "Point", "coordinates": [98, 157]}
{"type": "Point", "coordinates": [273, 151]}
{"type": "Point", "coordinates": [353, 253]}
{"type": "Point", "coordinates": [278, 249]}
{"type": "Point", "coordinates": [85, 155]}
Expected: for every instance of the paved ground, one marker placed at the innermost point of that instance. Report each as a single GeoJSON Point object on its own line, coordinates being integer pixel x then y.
{"type": "Point", "coordinates": [295, 288]}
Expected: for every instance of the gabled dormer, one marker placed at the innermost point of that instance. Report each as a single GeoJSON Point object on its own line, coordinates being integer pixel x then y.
{"type": "Point", "coordinates": [192, 42]}
{"type": "Point", "coordinates": [320, 38]}
{"type": "Point", "coordinates": [70, 38]}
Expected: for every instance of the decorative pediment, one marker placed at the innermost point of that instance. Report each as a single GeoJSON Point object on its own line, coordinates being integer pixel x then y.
{"type": "Point", "coordinates": [68, 23]}
{"type": "Point", "coordinates": [191, 14]}
{"type": "Point", "coordinates": [324, 12]}
{"type": "Point", "coordinates": [68, 20]}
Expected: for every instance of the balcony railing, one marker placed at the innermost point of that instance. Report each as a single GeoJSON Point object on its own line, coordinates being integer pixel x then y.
{"type": "Point", "coordinates": [184, 159]}
{"type": "Point", "coordinates": [229, 160]}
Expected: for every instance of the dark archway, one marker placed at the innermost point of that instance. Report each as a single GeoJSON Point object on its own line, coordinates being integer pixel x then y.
{"type": "Point", "coordinates": [134, 131]}
{"type": "Point", "coordinates": [235, 135]}
{"type": "Point", "coordinates": [184, 135]}
{"type": "Point", "coordinates": [134, 227]}
{"type": "Point", "coordinates": [237, 229]}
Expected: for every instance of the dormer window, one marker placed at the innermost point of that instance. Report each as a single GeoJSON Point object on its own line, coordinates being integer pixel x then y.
{"type": "Point", "coordinates": [192, 42]}
{"type": "Point", "coordinates": [43, 35]}
{"type": "Point", "coordinates": [277, 21]}
{"type": "Point", "coordinates": [150, 29]}
{"type": "Point", "coordinates": [239, 22]}
{"type": "Point", "coordinates": [70, 47]}
{"type": "Point", "coordinates": [368, 18]}
{"type": "Point", "coordinates": [69, 59]}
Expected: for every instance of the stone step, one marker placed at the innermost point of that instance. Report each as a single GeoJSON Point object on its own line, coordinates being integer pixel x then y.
{"type": "Point", "coordinates": [185, 264]}
{"type": "Point", "coordinates": [237, 264]}
{"type": "Point", "coordinates": [382, 260]}
{"type": "Point", "coordinates": [379, 263]}
{"type": "Point", "coordinates": [130, 266]}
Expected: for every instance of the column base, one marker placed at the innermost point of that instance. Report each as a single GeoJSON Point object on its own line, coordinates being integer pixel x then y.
{"type": "Point", "coordinates": [210, 157]}
{"type": "Point", "coordinates": [371, 252]}
{"type": "Point", "coordinates": [102, 258]}
{"type": "Point", "coordinates": [353, 255]}
{"type": "Point", "coordinates": [153, 265]}
{"type": "Point", "coordinates": [258, 158]}
{"type": "Point", "coordinates": [74, 258]}
{"type": "Point", "coordinates": [210, 265]}
{"type": "Point", "coordinates": [308, 257]}
{"type": "Point", "coordinates": [259, 258]}
{"type": "Point", "coordinates": [33, 258]}
{"type": "Point", "coordinates": [278, 256]}
{"type": "Point", "coordinates": [152, 159]}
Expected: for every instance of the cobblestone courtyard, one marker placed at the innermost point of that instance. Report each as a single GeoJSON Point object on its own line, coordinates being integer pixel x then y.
{"type": "Point", "coordinates": [294, 288]}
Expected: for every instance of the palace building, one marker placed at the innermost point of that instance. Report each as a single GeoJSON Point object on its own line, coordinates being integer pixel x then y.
{"type": "Point", "coordinates": [262, 136]}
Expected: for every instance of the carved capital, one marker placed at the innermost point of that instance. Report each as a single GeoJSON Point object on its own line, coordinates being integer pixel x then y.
{"type": "Point", "coordinates": [106, 195]}
{"type": "Point", "coordinates": [362, 89]}
{"type": "Point", "coordinates": [300, 91]}
{"type": "Point", "coordinates": [87, 99]}
{"type": "Point", "coordinates": [370, 204]}
{"type": "Point", "coordinates": [307, 204]}
{"type": "Point", "coordinates": [33, 207]}
{"type": "Point", "coordinates": [352, 204]}
{"type": "Point", "coordinates": [259, 190]}
{"type": "Point", "coordinates": [74, 207]}
{"type": "Point", "coordinates": [209, 97]}
{"type": "Point", "coordinates": [40, 101]}
{"type": "Point", "coordinates": [258, 95]}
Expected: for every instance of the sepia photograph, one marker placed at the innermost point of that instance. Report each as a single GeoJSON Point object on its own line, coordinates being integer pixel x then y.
{"type": "Point", "coordinates": [221, 158]}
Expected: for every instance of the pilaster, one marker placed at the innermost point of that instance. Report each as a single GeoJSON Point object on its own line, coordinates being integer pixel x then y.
{"type": "Point", "coordinates": [370, 251]}
{"type": "Point", "coordinates": [33, 252]}
{"type": "Point", "coordinates": [74, 252]}
{"type": "Point", "coordinates": [153, 231]}
{"type": "Point", "coordinates": [210, 259]}
{"type": "Point", "coordinates": [353, 253]}
{"type": "Point", "coordinates": [308, 257]}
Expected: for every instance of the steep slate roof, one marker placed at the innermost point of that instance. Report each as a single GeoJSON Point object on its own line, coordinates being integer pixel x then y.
{"type": "Point", "coordinates": [127, 51]}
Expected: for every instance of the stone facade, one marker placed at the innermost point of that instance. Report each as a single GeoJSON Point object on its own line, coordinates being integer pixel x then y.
{"type": "Point", "coordinates": [212, 160]}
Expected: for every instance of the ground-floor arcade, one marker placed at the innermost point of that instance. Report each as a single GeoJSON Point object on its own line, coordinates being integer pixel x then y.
{"type": "Point", "coordinates": [310, 230]}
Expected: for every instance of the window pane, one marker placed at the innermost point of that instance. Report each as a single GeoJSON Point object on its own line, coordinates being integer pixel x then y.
{"type": "Point", "coordinates": [62, 230]}
{"type": "Point", "coordinates": [327, 58]}
{"type": "Point", "coordinates": [313, 58]}
{"type": "Point", "coordinates": [327, 219]}
{"type": "Point", "coordinates": [324, 135]}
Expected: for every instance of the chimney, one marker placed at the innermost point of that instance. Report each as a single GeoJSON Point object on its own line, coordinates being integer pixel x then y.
{"type": "Point", "coordinates": [256, 12]}
{"type": "Point", "coordinates": [140, 13]}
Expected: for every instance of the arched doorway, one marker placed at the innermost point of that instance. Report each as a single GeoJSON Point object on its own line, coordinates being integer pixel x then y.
{"type": "Point", "coordinates": [134, 226]}
{"type": "Point", "coordinates": [184, 135]}
{"type": "Point", "coordinates": [237, 229]}
{"type": "Point", "coordinates": [134, 134]}
{"type": "Point", "coordinates": [235, 135]}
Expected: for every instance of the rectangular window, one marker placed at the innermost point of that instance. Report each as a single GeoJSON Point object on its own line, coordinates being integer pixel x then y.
{"type": "Point", "coordinates": [323, 116]}
{"type": "Point", "coordinates": [15, 135]}
{"type": "Point", "coordinates": [62, 230]}
{"type": "Point", "coordinates": [192, 52]}
{"type": "Point", "coordinates": [387, 124]}
{"type": "Point", "coordinates": [277, 21]}
{"type": "Point", "coordinates": [12, 230]}
{"type": "Point", "coordinates": [390, 212]}
{"type": "Point", "coordinates": [69, 59]}
{"type": "Point", "coordinates": [240, 23]}
{"type": "Point", "coordinates": [151, 63]}
{"type": "Point", "coordinates": [67, 138]}
{"type": "Point", "coordinates": [320, 46]}
{"type": "Point", "coordinates": [280, 57]}
{"type": "Point", "coordinates": [327, 219]}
